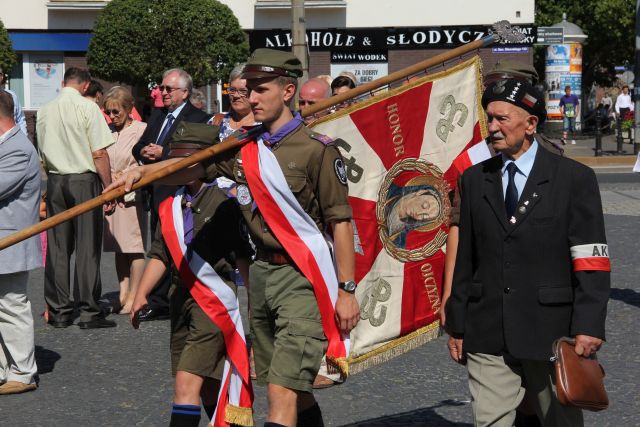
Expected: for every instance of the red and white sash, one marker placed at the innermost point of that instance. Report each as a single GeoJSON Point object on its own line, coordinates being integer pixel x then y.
{"type": "Point", "coordinates": [300, 237]}
{"type": "Point", "coordinates": [220, 303]}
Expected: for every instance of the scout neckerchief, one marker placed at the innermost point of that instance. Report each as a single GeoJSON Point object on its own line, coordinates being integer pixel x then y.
{"type": "Point", "coordinates": [220, 303]}
{"type": "Point", "coordinates": [297, 233]}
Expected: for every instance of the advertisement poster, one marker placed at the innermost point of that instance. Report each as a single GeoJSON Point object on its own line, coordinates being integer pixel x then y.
{"type": "Point", "coordinates": [363, 72]}
{"type": "Point", "coordinates": [45, 78]}
{"type": "Point", "coordinates": [563, 68]}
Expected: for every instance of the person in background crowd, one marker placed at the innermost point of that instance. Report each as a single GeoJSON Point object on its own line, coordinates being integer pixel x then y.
{"type": "Point", "coordinates": [607, 102]}
{"type": "Point", "coordinates": [198, 99]}
{"type": "Point", "coordinates": [341, 84]}
{"type": "Point", "coordinates": [240, 113]}
{"type": "Point", "coordinates": [624, 103]}
{"type": "Point", "coordinates": [156, 97]}
{"type": "Point", "coordinates": [312, 91]}
{"type": "Point", "coordinates": [18, 114]}
{"type": "Point", "coordinates": [94, 92]}
{"type": "Point", "coordinates": [326, 77]}
{"type": "Point", "coordinates": [508, 305]}
{"type": "Point", "coordinates": [72, 139]}
{"type": "Point", "coordinates": [19, 200]}
{"type": "Point", "coordinates": [153, 146]}
{"type": "Point", "coordinates": [570, 109]}
{"type": "Point", "coordinates": [125, 230]}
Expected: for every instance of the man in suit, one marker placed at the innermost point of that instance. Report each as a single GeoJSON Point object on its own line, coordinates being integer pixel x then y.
{"type": "Point", "coordinates": [153, 146]}
{"type": "Point", "coordinates": [545, 274]}
{"type": "Point", "coordinates": [176, 89]}
{"type": "Point", "coordinates": [19, 207]}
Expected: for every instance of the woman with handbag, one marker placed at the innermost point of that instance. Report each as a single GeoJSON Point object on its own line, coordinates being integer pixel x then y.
{"type": "Point", "coordinates": [125, 229]}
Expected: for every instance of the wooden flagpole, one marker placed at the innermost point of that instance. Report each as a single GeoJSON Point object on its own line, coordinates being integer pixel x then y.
{"type": "Point", "coordinates": [502, 31]}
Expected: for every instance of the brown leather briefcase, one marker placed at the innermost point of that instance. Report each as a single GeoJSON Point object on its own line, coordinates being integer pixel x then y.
{"type": "Point", "coordinates": [579, 380]}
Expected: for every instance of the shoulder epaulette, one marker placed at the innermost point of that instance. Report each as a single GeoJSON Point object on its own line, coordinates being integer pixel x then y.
{"type": "Point", "coordinates": [326, 140]}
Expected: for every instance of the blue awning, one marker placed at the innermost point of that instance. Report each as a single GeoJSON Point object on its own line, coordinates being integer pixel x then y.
{"type": "Point", "coordinates": [50, 42]}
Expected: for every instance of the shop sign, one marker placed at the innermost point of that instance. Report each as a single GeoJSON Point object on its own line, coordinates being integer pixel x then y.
{"type": "Point", "coordinates": [375, 38]}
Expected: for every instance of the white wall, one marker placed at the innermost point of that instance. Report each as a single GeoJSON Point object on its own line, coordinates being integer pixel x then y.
{"type": "Point", "coordinates": [31, 14]}
{"type": "Point", "coordinates": [417, 13]}
{"type": "Point", "coordinates": [396, 13]}
{"type": "Point", "coordinates": [35, 15]}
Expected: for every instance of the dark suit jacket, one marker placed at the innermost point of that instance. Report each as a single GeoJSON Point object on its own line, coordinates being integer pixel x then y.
{"type": "Point", "coordinates": [189, 114]}
{"type": "Point", "coordinates": [515, 285]}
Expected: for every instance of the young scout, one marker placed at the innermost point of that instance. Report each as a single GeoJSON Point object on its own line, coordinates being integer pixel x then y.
{"type": "Point", "coordinates": [288, 313]}
{"type": "Point", "coordinates": [212, 229]}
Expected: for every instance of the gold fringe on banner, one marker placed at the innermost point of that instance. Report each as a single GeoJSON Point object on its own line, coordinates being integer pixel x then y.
{"type": "Point", "coordinates": [238, 415]}
{"type": "Point", "coordinates": [395, 348]}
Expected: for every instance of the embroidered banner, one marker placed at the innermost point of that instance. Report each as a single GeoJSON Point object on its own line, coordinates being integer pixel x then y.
{"type": "Point", "coordinates": [403, 152]}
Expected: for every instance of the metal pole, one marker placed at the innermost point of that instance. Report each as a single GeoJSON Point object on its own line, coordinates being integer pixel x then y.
{"type": "Point", "coordinates": [598, 152]}
{"type": "Point", "coordinates": [299, 36]}
{"type": "Point", "coordinates": [636, 86]}
{"type": "Point", "coordinates": [619, 137]}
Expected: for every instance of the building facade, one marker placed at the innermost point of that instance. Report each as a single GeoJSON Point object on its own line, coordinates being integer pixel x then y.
{"type": "Point", "coordinates": [370, 39]}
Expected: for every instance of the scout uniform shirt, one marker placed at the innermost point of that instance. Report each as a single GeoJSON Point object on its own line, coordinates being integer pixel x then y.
{"type": "Point", "coordinates": [313, 168]}
{"type": "Point", "coordinates": [218, 235]}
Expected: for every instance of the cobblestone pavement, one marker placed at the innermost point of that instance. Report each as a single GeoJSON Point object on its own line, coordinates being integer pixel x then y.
{"type": "Point", "coordinates": [120, 377]}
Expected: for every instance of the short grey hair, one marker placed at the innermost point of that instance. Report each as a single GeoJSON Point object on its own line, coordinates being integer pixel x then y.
{"type": "Point", "coordinates": [187, 81]}
{"type": "Point", "coordinates": [236, 73]}
{"type": "Point", "coordinates": [197, 96]}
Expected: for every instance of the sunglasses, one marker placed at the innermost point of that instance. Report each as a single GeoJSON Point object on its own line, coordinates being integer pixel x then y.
{"type": "Point", "coordinates": [112, 112]}
{"type": "Point", "coordinates": [169, 89]}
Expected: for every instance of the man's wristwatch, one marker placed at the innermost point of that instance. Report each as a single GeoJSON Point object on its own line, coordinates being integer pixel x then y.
{"type": "Point", "coordinates": [348, 286]}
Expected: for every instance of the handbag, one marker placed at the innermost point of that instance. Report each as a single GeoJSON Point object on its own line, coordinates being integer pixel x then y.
{"type": "Point", "coordinates": [579, 380]}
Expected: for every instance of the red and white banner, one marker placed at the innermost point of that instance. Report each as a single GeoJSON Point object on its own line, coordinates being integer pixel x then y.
{"type": "Point", "coordinates": [404, 151]}
{"type": "Point", "coordinates": [300, 237]}
{"type": "Point", "coordinates": [220, 303]}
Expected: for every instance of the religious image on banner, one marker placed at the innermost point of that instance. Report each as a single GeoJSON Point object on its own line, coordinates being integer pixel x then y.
{"type": "Point", "coordinates": [404, 150]}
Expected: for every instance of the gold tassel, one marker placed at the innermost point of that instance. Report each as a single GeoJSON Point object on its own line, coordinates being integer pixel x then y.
{"type": "Point", "coordinates": [338, 366]}
{"type": "Point", "coordinates": [239, 415]}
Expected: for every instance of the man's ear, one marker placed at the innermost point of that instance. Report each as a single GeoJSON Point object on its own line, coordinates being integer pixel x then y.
{"type": "Point", "coordinates": [289, 92]}
{"type": "Point", "coordinates": [532, 123]}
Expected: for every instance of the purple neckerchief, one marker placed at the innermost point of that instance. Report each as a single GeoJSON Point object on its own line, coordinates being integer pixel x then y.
{"type": "Point", "coordinates": [285, 130]}
{"type": "Point", "coordinates": [187, 216]}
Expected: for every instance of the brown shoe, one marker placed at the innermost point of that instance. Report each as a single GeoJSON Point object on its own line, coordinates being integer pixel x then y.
{"type": "Point", "coordinates": [322, 382]}
{"type": "Point", "coordinates": [15, 387]}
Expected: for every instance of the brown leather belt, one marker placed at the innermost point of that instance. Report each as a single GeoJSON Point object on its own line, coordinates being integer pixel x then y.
{"type": "Point", "coordinates": [273, 257]}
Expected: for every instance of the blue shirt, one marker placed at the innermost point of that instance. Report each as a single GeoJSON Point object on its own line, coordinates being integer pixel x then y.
{"type": "Point", "coordinates": [524, 164]}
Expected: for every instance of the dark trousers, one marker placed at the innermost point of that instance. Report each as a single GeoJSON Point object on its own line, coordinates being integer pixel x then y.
{"type": "Point", "coordinates": [82, 234]}
{"type": "Point", "coordinates": [159, 296]}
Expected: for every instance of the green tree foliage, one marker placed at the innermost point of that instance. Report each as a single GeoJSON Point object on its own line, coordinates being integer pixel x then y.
{"type": "Point", "coordinates": [7, 55]}
{"type": "Point", "coordinates": [609, 25]}
{"type": "Point", "coordinates": [135, 40]}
